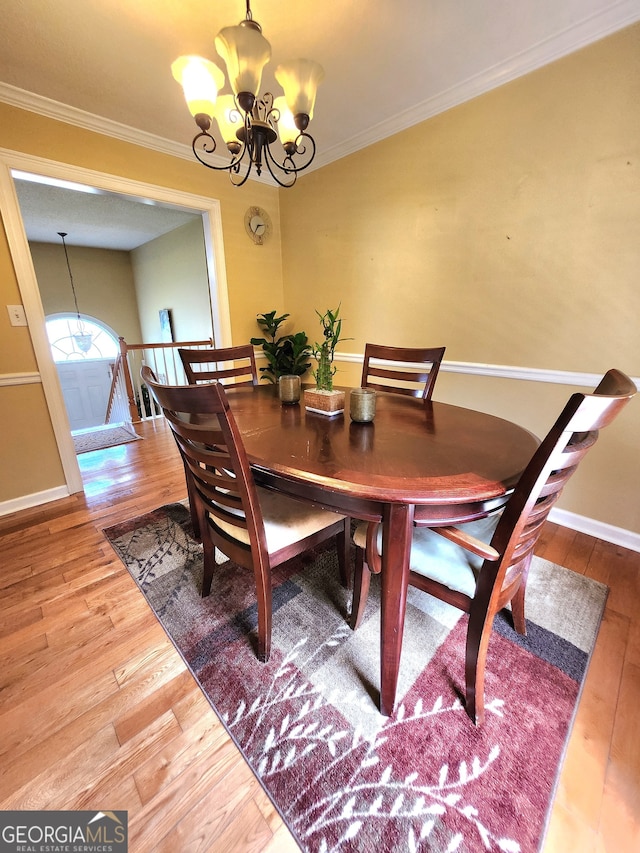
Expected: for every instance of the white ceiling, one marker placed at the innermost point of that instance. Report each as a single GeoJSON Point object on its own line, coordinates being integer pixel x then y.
{"type": "Point", "coordinates": [389, 64]}
{"type": "Point", "coordinates": [92, 217]}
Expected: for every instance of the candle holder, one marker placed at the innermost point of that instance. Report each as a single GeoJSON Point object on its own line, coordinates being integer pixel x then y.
{"type": "Point", "coordinates": [362, 405]}
{"type": "Point", "coordinates": [289, 389]}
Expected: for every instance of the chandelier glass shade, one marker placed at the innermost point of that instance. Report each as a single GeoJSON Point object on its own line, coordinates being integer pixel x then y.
{"type": "Point", "coordinates": [248, 123]}
{"type": "Point", "coordinates": [81, 338]}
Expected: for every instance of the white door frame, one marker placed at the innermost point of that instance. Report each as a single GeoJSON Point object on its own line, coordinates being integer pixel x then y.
{"type": "Point", "coordinates": [19, 249]}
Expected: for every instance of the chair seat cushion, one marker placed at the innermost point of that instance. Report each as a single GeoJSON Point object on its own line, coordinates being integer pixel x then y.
{"type": "Point", "coordinates": [435, 557]}
{"type": "Point", "coordinates": [285, 520]}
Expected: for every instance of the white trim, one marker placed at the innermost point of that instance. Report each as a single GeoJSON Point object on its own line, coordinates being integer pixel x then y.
{"type": "Point", "coordinates": [583, 524]}
{"type": "Point", "coordinates": [58, 111]}
{"type": "Point", "coordinates": [9, 379]}
{"type": "Point", "coordinates": [599, 529]}
{"type": "Point", "coordinates": [27, 282]}
{"type": "Point", "coordinates": [505, 371]}
{"type": "Point", "coordinates": [36, 499]}
{"type": "Point", "coordinates": [30, 295]}
{"type": "Point", "coordinates": [580, 34]}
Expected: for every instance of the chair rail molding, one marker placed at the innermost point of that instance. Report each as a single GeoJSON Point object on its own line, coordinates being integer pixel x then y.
{"type": "Point", "coordinates": [505, 371]}
{"type": "Point", "coordinates": [9, 379]}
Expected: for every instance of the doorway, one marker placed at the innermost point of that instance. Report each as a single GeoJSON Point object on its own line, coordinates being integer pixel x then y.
{"type": "Point", "coordinates": [86, 372]}
{"type": "Point", "coordinates": [12, 164]}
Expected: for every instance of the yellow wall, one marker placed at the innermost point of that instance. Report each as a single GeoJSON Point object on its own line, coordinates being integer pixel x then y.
{"type": "Point", "coordinates": [171, 272]}
{"type": "Point", "coordinates": [254, 273]}
{"type": "Point", "coordinates": [103, 280]}
{"type": "Point", "coordinates": [507, 229]}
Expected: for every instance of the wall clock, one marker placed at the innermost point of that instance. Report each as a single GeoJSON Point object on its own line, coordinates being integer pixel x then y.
{"type": "Point", "coordinates": [257, 223]}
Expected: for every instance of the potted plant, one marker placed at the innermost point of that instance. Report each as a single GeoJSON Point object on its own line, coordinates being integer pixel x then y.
{"type": "Point", "coordinates": [287, 354]}
{"type": "Point", "coordinates": [324, 399]}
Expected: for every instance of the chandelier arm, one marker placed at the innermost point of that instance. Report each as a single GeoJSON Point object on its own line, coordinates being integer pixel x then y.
{"type": "Point", "coordinates": [236, 171]}
{"type": "Point", "coordinates": [288, 166]}
{"type": "Point", "coordinates": [271, 162]}
{"type": "Point", "coordinates": [233, 168]}
{"type": "Point", "coordinates": [202, 139]}
{"type": "Point", "coordinates": [301, 149]}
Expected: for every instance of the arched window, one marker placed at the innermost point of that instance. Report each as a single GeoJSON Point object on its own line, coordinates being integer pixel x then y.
{"type": "Point", "coordinates": [88, 340]}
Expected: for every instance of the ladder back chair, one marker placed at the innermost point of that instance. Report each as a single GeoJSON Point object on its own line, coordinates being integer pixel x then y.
{"type": "Point", "coordinates": [237, 364]}
{"type": "Point", "coordinates": [482, 565]}
{"type": "Point", "coordinates": [256, 528]}
{"type": "Point", "coordinates": [402, 370]}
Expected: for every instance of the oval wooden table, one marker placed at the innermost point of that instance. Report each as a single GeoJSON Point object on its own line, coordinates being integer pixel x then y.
{"type": "Point", "coordinates": [431, 461]}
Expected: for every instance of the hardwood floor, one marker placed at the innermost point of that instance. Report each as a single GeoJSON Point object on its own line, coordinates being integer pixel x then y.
{"type": "Point", "coordinates": [97, 709]}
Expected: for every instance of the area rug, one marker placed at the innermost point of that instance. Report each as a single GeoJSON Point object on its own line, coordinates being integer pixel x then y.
{"type": "Point", "coordinates": [344, 777]}
{"type": "Point", "coordinates": [107, 436]}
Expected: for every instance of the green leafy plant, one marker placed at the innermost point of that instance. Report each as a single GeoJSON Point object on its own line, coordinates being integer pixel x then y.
{"type": "Point", "coordinates": [325, 351]}
{"type": "Point", "coordinates": [285, 354]}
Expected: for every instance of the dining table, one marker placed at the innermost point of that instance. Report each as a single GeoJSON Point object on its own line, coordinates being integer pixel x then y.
{"type": "Point", "coordinates": [425, 462]}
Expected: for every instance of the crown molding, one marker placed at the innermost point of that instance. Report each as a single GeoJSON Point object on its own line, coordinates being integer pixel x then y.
{"type": "Point", "coordinates": [599, 25]}
{"type": "Point", "coordinates": [593, 28]}
{"type": "Point", "coordinates": [49, 108]}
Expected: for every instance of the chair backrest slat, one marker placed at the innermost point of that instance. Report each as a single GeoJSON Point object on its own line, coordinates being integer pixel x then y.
{"type": "Point", "coordinates": [567, 443]}
{"type": "Point", "coordinates": [211, 365]}
{"type": "Point", "coordinates": [401, 369]}
{"type": "Point", "coordinates": [213, 453]}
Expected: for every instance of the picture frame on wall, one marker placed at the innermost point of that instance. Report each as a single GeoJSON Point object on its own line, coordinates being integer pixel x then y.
{"type": "Point", "coordinates": [166, 326]}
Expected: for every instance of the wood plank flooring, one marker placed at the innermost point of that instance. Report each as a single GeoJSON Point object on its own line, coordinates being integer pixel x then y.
{"type": "Point", "coordinates": [97, 709]}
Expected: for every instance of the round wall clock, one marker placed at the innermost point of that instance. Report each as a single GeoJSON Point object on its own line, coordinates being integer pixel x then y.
{"type": "Point", "coordinates": [257, 223]}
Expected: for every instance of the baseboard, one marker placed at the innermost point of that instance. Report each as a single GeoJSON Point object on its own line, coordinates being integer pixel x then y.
{"type": "Point", "coordinates": [29, 501]}
{"type": "Point", "coordinates": [599, 529]}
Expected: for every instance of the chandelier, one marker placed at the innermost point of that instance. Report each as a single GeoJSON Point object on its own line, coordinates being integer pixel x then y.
{"type": "Point", "coordinates": [82, 338]}
{"type": "Point", "coordinates": [249, 123]}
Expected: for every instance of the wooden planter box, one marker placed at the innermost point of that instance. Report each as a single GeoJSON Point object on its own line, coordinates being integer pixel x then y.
{"type": "Point", "coordinates": [324, 402]}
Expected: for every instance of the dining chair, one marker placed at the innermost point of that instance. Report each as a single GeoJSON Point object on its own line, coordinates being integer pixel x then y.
{"type": "Point", "coordinates": [256, 528]}
{"type": "Point", "coordinates": [482, 565]}
{"type": "Point", "coordinates": [204, 365]}
{"type": "Point", "coordinates": [402, 370]}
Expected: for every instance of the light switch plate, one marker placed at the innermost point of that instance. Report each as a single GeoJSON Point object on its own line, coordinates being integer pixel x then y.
{"type": "Point", "coordinates": [17, 316]}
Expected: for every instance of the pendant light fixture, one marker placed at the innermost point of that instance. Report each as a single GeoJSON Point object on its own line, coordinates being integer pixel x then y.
{"type": "Point", "coordinates": [83, 340]}
{"type": "Point", "coordinates": [249, 124]}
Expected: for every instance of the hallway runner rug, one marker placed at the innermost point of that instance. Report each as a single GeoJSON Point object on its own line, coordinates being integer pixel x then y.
{"type": "Point", "coordinates": [343, 777]}
{"type": "Point", "coordinates": [103, 437]}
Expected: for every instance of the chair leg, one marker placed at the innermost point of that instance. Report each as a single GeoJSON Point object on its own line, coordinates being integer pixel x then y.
{"type": "Point", "coordinates": [517, 611]}
{"type": "Point", "coordinates": [262, 575]}
{"type": "Point", "coordinates": [191, 494]}
{"type": "Point", "coordinates": [343, 547]}
{"type": "Point", "coordinates": [517, 602]}
{"type": "Point", "coordinates": [209, 556]}
{"type": "Point", "coordinates": [361, 579]}
{"type": "Point", "coordinates": [478, 635]}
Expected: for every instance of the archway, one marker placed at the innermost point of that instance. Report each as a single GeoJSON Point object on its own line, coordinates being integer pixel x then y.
{"type": "Point", "coordinates": [209, 208]}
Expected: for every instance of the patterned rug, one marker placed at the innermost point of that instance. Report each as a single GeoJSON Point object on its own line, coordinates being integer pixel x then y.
{"type": "Point", "coordinates": [107, 436]}
{"type": "Point", "coordinates": [343, 777]}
